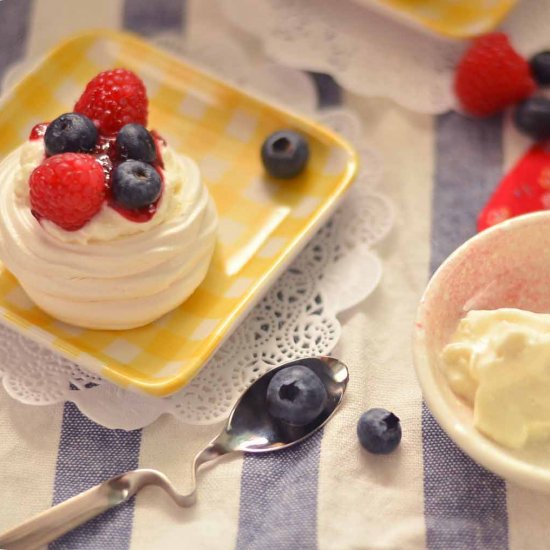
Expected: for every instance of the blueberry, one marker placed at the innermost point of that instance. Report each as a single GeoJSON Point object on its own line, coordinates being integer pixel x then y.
{"type": "Point", "coordinates": [135, 184]}
{"type": "Point", "coordinates": [379, 431]}
{"type": "Point", "coordinates": [296, 395]}
{"type": "Point", "coordinates": [135, 142]}
{"type": "Point", "coordinates": [285, 154]}
{"type": "Point", "coordinates": [532, 117]}
{"type": "Point", "coordinates": [70, 133]}
{"type": "Point", "coordinates": [540, 68]}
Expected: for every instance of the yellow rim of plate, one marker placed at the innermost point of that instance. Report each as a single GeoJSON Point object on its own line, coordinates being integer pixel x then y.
{"type": "Point", "coordinates": [449, 27]}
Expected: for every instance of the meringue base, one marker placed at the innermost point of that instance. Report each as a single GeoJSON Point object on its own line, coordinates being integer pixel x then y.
{"type": "Point", "coordinates": [132, 313]}
{"type": "Point", "coordinates": [113, 274]}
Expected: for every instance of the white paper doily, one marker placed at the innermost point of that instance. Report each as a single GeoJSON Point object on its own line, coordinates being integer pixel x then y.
{"type": "Point", "coordinates": [368, 53]}
{"type": "Point", "coordinates": [296, 318]}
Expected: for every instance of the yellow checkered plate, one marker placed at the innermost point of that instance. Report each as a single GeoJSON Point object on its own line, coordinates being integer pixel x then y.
{"type": "Point", "coordinates": [450, 18]}
{"type": "Point", "coordinates": [263, 223]}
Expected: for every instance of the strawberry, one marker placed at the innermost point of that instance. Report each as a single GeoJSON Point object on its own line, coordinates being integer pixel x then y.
{"type": "Point", "coordinates": [526, 188]}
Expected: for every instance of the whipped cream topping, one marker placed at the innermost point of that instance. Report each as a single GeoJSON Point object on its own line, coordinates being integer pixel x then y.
{"type": "Point", "coordinates": [113, 273]}
{"type": "Point", "coordinates": [499, 362]}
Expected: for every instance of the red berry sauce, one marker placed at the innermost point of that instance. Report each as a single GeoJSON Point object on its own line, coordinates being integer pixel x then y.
{"type": "Point", "coordinates": [159, 140]}
{"type": "Point", "coordinates": [138, 215]}
{"type": "Point", "coordinates": [38, 131]}
{"type": "Point", "coordinates": [106, 154]}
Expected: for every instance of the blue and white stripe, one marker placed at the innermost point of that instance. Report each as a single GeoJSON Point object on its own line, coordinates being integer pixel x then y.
{"type": "Point", "coordinates": [465, 506]}
{"type": "Point", "coordinates": [327, 493]}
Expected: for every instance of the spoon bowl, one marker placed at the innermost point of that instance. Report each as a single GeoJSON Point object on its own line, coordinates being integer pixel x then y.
{"type": "Point", "coordinates": [249, 428]}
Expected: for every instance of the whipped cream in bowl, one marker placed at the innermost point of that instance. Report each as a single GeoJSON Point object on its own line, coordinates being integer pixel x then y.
{"type": "Point", "coordinates": [113, 273]}
{"type": "Point", "coordinates": [481, 349]}
{"type": "Point", "coordinates": [498, 361]}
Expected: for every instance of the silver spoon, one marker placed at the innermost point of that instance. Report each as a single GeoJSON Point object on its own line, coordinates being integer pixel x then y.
{"type": "Point", "coordinates": [249, 428]}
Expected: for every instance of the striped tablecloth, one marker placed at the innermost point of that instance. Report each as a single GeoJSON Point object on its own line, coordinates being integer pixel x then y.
{"type": "Point", "coordinates": [327, 493]}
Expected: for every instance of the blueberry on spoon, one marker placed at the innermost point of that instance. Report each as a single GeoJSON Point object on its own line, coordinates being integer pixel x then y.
{"type": "Point", "coordinates": [296, 395]}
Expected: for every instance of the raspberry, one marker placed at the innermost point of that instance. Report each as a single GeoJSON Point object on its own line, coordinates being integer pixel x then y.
{"type": "Point", "coordinates": [491, 76]}
{"type": "Point", "coordinates": [67, 189]}
{"type": "Point", "coordinates": [112, 99]}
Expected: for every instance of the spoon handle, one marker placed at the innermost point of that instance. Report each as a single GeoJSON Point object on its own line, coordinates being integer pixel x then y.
{"type": "Point", "coordinates": [56, 521]}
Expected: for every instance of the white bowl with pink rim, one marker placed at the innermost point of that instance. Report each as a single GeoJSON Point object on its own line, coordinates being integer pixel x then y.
{"type": "Point", "coordinates": [507, 265]}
